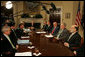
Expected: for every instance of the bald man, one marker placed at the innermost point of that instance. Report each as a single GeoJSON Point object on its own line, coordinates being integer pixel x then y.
{"type": "Point", "coordinates": [74, 39]}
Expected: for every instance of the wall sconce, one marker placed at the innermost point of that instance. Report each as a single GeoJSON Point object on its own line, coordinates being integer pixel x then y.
{"type": "Point", "coordinates": [9, 5]}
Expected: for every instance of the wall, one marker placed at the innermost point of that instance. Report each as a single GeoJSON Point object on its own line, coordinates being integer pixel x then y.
{"type": "Point", "coordinates": [17, 7]}
{"type": "Point", "coordinates": [67, 7]}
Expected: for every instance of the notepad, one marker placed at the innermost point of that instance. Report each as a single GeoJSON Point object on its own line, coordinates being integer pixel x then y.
{"type": "Point", "coordinates": [23, 41]}
{"type": "Point", "coordinates": [27, 30]}
{"type": "Point", "coordinates": [40, 32]}
{"type": "Point", "coordinates": [37, 54]}
{"type": "Point", "coordinates": [25, 37]}
{"type": "Point", "coordinates": [48, 36]}
{"type": "Point", "coordinates": [31, 47]}
{"type": "Point", "coordinates": [24, 54]}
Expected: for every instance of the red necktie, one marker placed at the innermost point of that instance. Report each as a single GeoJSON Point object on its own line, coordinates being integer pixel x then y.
{"type": "Point", "coordinates": [53, 31]}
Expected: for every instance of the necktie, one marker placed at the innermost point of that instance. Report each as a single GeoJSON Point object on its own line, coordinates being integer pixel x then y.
{"type": "Point", "coordinates": [61, 30]}
{"type": "Point", "coordinates": [53, 31]}
{"type": "Point", "coordinates": [14, 33]}
{"type": "Point", "coordinates": [10, 42]}
{"type": "Point", "coordinates": [48, 26]}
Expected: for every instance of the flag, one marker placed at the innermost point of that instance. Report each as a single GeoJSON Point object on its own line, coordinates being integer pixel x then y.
{"type": "Point", "coordinates": [78, 16]}
{"type": "Point", "coordinates": [82, 22]}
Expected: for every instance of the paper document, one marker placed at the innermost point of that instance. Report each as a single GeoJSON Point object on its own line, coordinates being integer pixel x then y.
{"type": "Point", "coordinates": [24, 54]}
{"type": "Point", "coordinates": [31, 47]}
{"type": "Point", "coordinates": [23, 41]}
{"type": "Point", "coordinates": [25, 37]}
{"type": "Point", "coordinates": [48, 36]}
{"type": "Point", "coordinates": [37, 54]}
{"type": "Point", "coordinates": [41, 32]}
{"type": "Point", "coordinates": [27, 30]}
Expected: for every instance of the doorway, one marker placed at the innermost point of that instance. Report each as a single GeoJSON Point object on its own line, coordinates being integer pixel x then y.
{"type": "Point", "coordinates": [55, 16]}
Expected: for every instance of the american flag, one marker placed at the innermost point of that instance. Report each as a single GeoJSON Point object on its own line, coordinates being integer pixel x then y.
{"type": "Point", "coordinates": [78, 16]}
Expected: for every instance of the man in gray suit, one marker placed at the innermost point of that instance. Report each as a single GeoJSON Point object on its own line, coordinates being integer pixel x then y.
{"type": "Point", "coordinates": [63, 32]}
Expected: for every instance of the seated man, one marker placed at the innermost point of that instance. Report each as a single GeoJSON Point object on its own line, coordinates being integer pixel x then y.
{"type": "Point", "coordinates": [7, 47]}
{"type": "Point", "coordinates": [49, 27]}
{"type": "Point", "coordinates": [74, 39]}
{"type": "Point", "coordinates": [55, 29]}
{"type": "Point", "coordinates": [63, 32]}
{"type": "Point", "coordinates": [20, 31]}
{"type": "Point", "coordinates": [13, 35]}
{"type": "Point", "coordinates": [45, 26]}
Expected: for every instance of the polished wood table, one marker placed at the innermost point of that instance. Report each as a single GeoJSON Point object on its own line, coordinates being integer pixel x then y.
{"type": "Point", "coordinates": [47, 46]}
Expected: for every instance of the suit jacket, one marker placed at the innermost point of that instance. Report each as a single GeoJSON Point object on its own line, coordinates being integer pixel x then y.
{"type": "Point", "coordinates": [13, 37]}
{"type": "Point", "coordinates": [49, 28]}
{"type": "Point", "coordinates": [19, 32]}
{"type": "Point", "coordinates": [64, 34]}
{"type": "Point", "coordinates": [55, 31]}
{"type": "Point", "coordinates": [75, 40]}
{"type": "Point", "coordinates": [80, 51]}
{"type": "Point", "coordinates": [5, 45]}
{"type": "Point", "coordinates": [45, 27]}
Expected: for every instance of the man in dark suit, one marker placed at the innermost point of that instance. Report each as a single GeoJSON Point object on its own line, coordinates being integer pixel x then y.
{"type": "Point", "coordinates": [55, 29]}
{"type": "Point", "coordinates": [20, 31]}
{"type": "Point", "coordinates": [7, 46]}
{"type": "Point", "coordinates": [49, 27]}
{"type": "Point", "coordinates": [63, 32]}
{"type": "Point", "coordinates": [13, 35]}
{"type": "Point", "coordinates": [74, 39]}
{"type": "Point", "coordinates": [45, 26]}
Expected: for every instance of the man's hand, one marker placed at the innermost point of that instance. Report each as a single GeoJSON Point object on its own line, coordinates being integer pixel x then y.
{"type": "Point", "coordinates": [1, 39]}
{"type": "Point", "coordinates": [66, 44]}
{"type": "Point", "coordinates": [24, 31]}
{"type": "Point", "coordinates": [56, 38]}
{"type": "Point", "coordinates": [75, 53]}
{"type": "Point", "coordinates": [17, 46]}
{"type": "Point", "coordinates": [50, 34]}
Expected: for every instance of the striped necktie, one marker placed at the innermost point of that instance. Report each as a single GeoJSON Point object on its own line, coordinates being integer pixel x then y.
{"type": "Point", "coordinates": [10, 41]}
{"type": "Point", "coordinates": [14, 33]}
{"type": "Point", "coordinates": [59, 33]}
{"type": "Point", "coordinates": [53, 31]}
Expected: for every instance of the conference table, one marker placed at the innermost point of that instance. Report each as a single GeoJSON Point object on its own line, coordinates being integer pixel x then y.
{"type": "Point", "coordinates": [47, 46]}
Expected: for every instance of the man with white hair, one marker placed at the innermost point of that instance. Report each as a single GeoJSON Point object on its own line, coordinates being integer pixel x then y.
{"type": "Point", "coordinates": [7, 47]}
{"type": "Point", "coordinates": [63, 32]}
